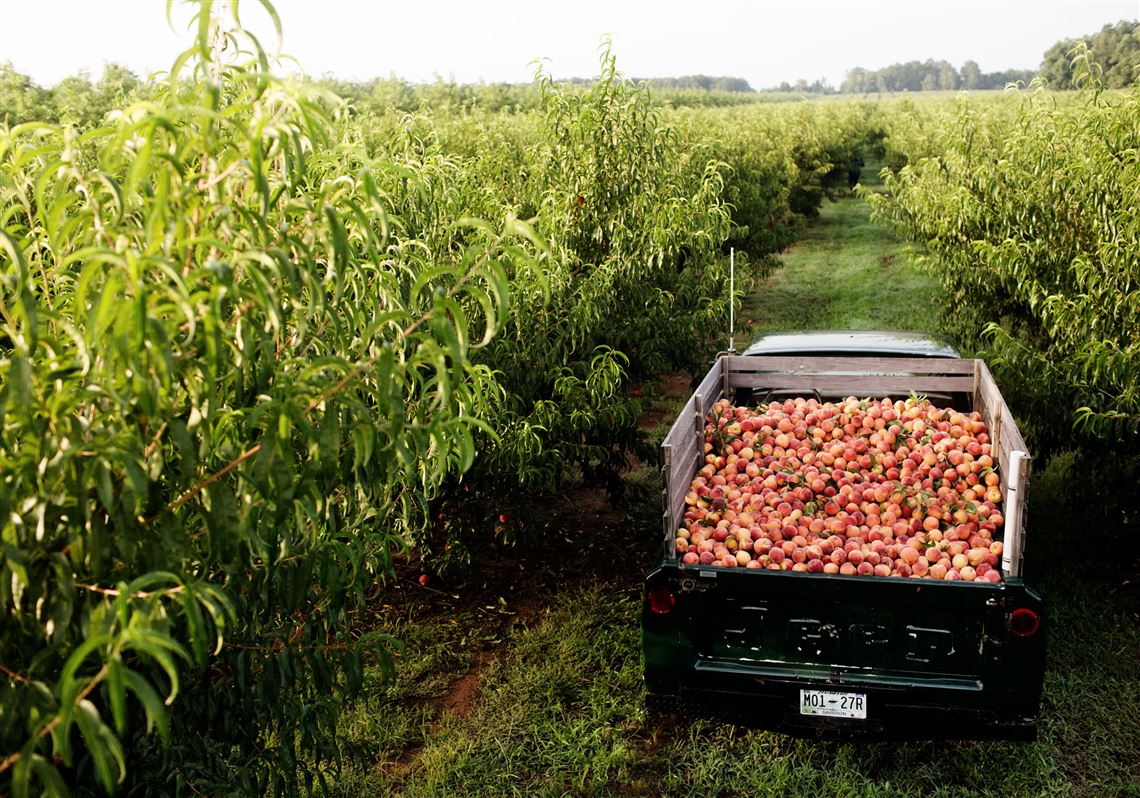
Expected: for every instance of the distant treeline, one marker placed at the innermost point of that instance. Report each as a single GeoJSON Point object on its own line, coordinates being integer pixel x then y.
{"type": "Point", "coordinates": [930, 75]}
{"type": "Point", "coordinates": [80, 100]}
{"type": "Point", "coordinates": [702, 82]}
{"type": "Point", "coordinates": [83, 102]}
{"type": "Point", "coordinates": [1116, 48]}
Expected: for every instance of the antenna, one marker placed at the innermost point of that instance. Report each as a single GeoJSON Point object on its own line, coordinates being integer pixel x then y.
{"type": "Point", "coordinates": [731, 300]}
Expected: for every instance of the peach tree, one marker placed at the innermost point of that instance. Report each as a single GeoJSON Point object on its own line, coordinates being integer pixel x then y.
{"type": "Point", "coordinates": [1027, 214]}
{"type": "Point", "coordinates": [229, 384]}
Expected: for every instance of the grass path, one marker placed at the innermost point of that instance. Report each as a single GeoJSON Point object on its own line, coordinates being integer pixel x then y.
{"type": "Point", "coordinates": [845, 273]}
{"type": "Point", "coordinates": [526, 679]}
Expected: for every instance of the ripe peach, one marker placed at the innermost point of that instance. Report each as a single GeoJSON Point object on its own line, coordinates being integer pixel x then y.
{"type": "Point", "coordinates": [847, 569]}
{"type": "Point", "coordinates": [882, 569]}
{"type": "Point", "coordinates": [866, 569]}
{"type": "Point", "coordinates": [691, 558]}
{"type": "Point", "coordinates": [938, 571]}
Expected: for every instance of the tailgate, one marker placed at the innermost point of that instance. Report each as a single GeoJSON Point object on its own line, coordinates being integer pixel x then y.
{"type": "Point", "coordinates": [842, 630]}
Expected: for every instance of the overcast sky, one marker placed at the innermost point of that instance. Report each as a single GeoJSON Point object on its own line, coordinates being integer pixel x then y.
{"type": "Point", "coordinates": [763, 41]}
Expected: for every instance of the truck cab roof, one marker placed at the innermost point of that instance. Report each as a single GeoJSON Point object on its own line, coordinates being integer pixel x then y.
{"type": "Point", "coordinates": [887, 343]}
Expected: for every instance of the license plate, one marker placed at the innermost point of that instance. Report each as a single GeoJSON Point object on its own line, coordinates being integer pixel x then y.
{"type": "Point", "coordinates": [833, 705]}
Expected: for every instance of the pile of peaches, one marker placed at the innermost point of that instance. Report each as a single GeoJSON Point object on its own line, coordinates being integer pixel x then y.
{"type": "Point", "coordinates": [861, 487]}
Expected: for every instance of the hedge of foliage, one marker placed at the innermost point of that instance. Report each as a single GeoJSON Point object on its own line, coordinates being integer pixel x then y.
{"type": "Point", "coordinates": [254, 341]}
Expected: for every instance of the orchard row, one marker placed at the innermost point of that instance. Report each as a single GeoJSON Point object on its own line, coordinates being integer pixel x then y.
{"type": "Point", "coordinates": [251, 337]}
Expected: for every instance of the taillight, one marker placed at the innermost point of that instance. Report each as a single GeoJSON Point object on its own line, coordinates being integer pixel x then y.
{"type": "Point", "coordinates": [1024, 622]}
{"type": "Point", "coordinates": [661, 600]}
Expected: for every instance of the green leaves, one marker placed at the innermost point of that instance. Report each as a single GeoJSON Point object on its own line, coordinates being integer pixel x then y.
{"type": "Point", "coordinates": [231, 373]}
{"type": "Point", "coordinates": [1019, 204]}
{"type": "Point", "coordinates": [248, 341]}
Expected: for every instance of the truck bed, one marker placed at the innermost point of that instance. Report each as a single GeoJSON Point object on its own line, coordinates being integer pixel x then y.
{"type": "Point", "coordinates": [682, 451]}
{"type": "Point", "coordinates": [748, 644]}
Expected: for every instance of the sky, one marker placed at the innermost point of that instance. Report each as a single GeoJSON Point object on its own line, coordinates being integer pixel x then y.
{"type": "Point", "coordinates": [763, 41]}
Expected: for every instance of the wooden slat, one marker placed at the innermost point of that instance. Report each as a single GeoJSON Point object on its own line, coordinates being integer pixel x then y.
{"type": "Point", "coordinates": [1005, 438]}
{"type": "Point", "coordinates": [867, 365]}
{"type": "Point", "coordinates": [877, 385]}
{"type": "Point", "coordinates": [1011, 435]}
{"type": "Point", "coordinates": [682, 473]}
{"type": "Point", "coordinates": [989, 403]}
{"type": "Point", "coordinates": [682, 428]}
{"type": "Point", "coordinates": [709, 391]}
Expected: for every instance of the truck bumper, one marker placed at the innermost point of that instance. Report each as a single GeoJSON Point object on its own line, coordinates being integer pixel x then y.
{"type": "Point", "coordinates": [891, 714]}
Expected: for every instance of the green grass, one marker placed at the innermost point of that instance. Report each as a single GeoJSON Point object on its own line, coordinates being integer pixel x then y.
{"type": "Point", "coordinates": [557, 708]}
{"type": "Point", "coordinates": [845, 273]}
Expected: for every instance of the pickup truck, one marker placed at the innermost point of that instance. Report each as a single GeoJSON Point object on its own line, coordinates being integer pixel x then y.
{"type": "Point", "coordinates": [845, 656]}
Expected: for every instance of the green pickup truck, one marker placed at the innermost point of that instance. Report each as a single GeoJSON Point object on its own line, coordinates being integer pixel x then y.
{"type": "Point", "coordinates": [846, 656]}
